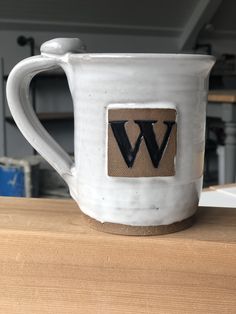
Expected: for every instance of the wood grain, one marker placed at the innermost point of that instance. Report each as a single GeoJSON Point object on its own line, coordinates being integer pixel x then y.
{"type": "Point", "coordinates": [224, 96]}
{"type": "Point", "coordinates": [51, 262]}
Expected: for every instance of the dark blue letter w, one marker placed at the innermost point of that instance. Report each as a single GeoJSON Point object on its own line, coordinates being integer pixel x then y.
{"type": "Point", "coordinates": [147, 133]}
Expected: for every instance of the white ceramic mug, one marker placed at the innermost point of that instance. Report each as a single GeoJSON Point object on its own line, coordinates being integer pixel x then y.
{"type": "Point", "coordinates": [138, 134]}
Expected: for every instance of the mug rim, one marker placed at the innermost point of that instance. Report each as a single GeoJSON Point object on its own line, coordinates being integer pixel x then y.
{"type": "Point", "coordinates": [137, 55]}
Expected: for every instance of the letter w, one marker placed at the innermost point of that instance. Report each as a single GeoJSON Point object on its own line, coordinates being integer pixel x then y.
{"type": "Point", "coordinates": [147, 133]}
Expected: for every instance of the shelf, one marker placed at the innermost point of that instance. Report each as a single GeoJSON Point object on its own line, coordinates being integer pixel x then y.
{"type": "Point", "coordinates": [48, 116]}
{"type": "Point", "coordinates": [50, 259]}
{"type": "Point", "coordinates": [45, 116]}
{"type": "Point", "coordinates": [57, 73]}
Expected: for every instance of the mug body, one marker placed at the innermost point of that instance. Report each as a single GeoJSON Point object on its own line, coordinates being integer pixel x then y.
{"type": "Point", "coordinates": [139, 136]}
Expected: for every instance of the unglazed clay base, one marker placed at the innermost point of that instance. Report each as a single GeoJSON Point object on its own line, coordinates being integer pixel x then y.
{"type": "Point", "coordinates": [139, 230]}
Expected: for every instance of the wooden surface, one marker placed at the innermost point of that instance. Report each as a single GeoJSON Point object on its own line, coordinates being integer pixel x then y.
{"type": "Point", "coordinates": [51, 262]}
{"type": "Point", "coordinates": [224, 96]}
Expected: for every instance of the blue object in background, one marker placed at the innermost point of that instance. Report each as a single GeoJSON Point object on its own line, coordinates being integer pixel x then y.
{"type": "Point", "coordinates": [12, 181]}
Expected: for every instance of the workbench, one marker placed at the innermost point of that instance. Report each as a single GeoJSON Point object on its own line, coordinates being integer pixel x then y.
{"type": "Point", "coordinates": [52, 262]}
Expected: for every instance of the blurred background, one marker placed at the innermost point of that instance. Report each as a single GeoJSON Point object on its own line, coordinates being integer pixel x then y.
{"type": "Point", "coordinates": [154, 26]}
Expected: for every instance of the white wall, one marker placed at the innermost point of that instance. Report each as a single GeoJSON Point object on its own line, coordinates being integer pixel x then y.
{"type": "Point", "coordinates": [12, 52]}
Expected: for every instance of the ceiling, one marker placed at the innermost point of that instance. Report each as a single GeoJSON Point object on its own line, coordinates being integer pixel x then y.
{"type": "Point", "coordinates": [223, 23]}
{"type": "Point", "coordinates": [183, 19]}
{"type": "Point", "coordinates": [150, 17]}
{"type": "Point", "coordinates": [123, 12]}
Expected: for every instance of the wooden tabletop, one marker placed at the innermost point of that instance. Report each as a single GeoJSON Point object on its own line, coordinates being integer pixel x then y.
{"type": "Point", "coordinates": [224, 96]}
{"type": "Point", "coordinates": [52, 262]}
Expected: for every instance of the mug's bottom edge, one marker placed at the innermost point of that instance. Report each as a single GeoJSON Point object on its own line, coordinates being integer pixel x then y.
{"type": "Point", "coordinates": [128, 230]}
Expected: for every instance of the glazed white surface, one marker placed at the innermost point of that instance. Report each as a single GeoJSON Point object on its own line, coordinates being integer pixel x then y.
{"type": "Point", "coordinates": [132, 83]}
{"type": "Point", "coordinates": [149, 81]}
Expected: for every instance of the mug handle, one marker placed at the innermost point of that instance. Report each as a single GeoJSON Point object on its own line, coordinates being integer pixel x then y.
{"type": "Point", "coordinates": [52, 55]}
